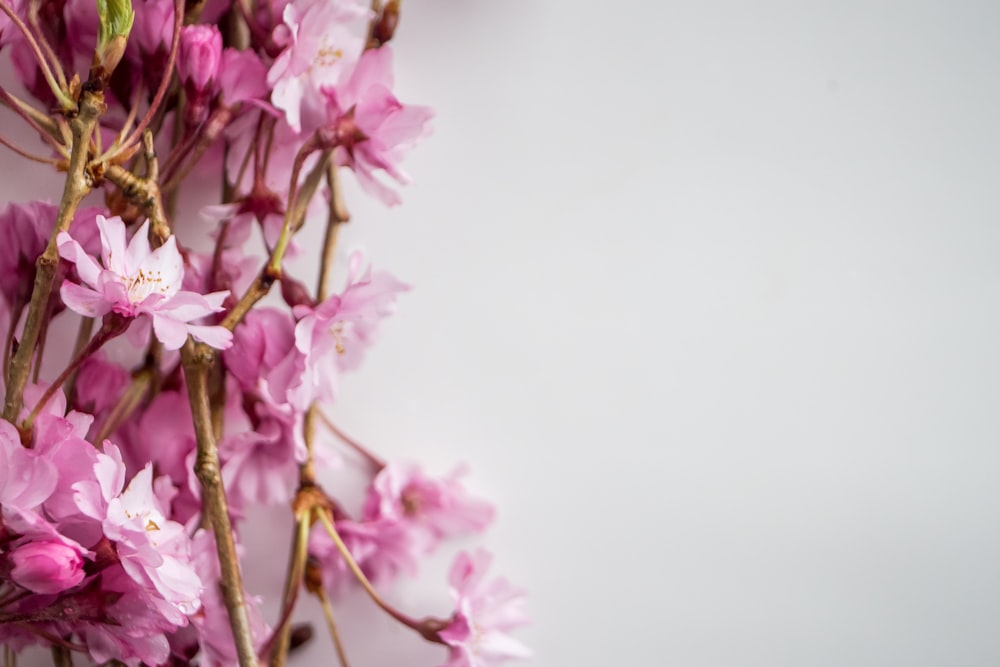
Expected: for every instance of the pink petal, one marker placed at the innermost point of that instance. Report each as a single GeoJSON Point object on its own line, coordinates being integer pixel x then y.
{"type": "Point", "coordinates": [169, 331]}
{"type": "Point", "coordinates": [138, 250]}
{"type": "Point", "coordinates": [86, 267]}
{"type": "Point", "coordinates": [220, 338]}
{"type": "Point", "coordinates": [113, 244]}
{"type": "Point", "coordinates": [83, 301]}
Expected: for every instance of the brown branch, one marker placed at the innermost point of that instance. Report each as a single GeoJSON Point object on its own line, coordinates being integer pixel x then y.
{"type": "Point", "coordinates": [198, 360]}
{"type": "Point", "coordinates": [272, 271]}
{"type": "Point", "coordinates": [77, 186]}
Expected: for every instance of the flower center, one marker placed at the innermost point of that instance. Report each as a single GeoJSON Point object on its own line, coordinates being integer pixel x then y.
{"type": "Point", "coordinates": [143, 284]}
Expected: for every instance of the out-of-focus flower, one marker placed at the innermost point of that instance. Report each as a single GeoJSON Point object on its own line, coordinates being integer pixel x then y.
{"type": "Point", "coordinates": [486, 611]}
{"type": "Point", "coordinates": [374, 129]}
{"type": "Point", "coordinates": [436, 509]}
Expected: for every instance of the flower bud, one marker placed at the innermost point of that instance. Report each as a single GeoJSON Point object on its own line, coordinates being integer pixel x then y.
{"type": "Point", "coordinates": [115, 24]}
{"type": "Point", "coordinates": [46, 567]}
{"type": "Point", "coordinates": [199, 56]}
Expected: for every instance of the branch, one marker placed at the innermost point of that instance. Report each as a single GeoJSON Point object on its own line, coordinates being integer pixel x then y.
{"type": "Point", "coordinates": [197, 360]}
{"type": "Point", "coordinates": [77, 186]}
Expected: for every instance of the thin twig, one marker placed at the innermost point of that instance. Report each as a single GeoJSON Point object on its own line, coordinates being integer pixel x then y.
{"type": "Point", "coordinates": [161, 92]}
{"type": "Point", "coordinates": [293, 582]}
{"type": "Point", "coordinates": [25, 154]}
{"type": "Point", "coordinates": [57, 91]}
{"type": "Point", "coordinates": [427, 628]}
{"type": "Point", "coordinates": [42, 124]}
{"type": "Point", "coordinates": [376, 461]}
{"type": "Point", "coordinates": [334, 634]}
{"type": "Point", "coordinates": [262, 284]}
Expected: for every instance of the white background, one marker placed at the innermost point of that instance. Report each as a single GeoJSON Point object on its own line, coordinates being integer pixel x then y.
{"type": "Point", "coordinates": [706, 295]}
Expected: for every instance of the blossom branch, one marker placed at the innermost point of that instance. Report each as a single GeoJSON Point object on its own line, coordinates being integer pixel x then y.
{"type": "Point", "coordinates": [78, 184]}
{"type": "Point", "coordinates": [338, 645]}
{"type": "Point", "coordinates": [272, 270]}
{"type": "Point", "coordinates": [293, 581]}
{"type": "Point", "coordinates": [198, 359]}
{"type": "Point", "coordinates": [428, 628]}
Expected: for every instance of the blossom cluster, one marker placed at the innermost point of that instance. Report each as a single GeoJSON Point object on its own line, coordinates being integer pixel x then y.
{"type": "Point", "coordinates": [127, 479]}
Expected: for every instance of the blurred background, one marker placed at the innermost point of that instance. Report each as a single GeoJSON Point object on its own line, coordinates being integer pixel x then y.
{"type": "Point", "coordinates": [706, 296]}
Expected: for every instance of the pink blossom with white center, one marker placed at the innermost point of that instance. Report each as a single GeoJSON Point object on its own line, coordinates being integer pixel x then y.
{"type": "Point", "coordinates": [153, 550]}
{"type": "Point", "coordinates": [486, 611]}
{"type": "Point", "coordinates": [374, 128]}
{"type": "Point", "coordinates": [436, 508]}
{"type": "Point", "coordinates": [324, 39]}
{"type": "Point", "coordinates": [324, 333]}
{"type": "Point", "coordinates": [136, 280]}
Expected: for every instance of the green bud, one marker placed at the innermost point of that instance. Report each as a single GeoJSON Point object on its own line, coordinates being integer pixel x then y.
{"type": "Point", "coordinates": [116, 18]}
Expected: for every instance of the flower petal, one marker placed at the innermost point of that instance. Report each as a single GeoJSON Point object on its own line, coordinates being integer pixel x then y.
{"type": "Point", "coordinates": [83, 301]}
{"type": "Point", "coordinates": [169, 331]}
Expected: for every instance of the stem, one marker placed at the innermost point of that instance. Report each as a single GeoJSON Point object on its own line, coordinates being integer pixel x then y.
{"type": "Point", "coordinates": [60, 95]}
{"type": "Point", "coordinates": [113, 325]}
{"type": "Point", "coordinates": [293, 582]}
{"type": "Point", "coordinates": [427, 629]}
{"type": "Point", "coordinates": [197, 360]}
{"type": "Point", "coordinates": [293, 201]}
{"type": "Point", "coordinates": [83, 334]}
{"type": "Point", "coordinates": [61, 657]}
{"type": "Point", "coordinates": [25, 154]}
{"type": "Point", "coordinates": [269, 273]}
{"type": "Point", "coordinates": [126, 404]}
{"type": "Point", "coordinates": [336, 216]}
{"type": "Point", "coordinates": [77, 186]}
{"type": "Point", "coordinates": [44, 43]}
{"type": "Point", "coordinates": [38, 121]}
{"type": "Point", "coordinates": [375, 460]}
{"type": "Point", "coordinates": [328, 613]}
{"type": "Point", "coordinates": [168, 75]}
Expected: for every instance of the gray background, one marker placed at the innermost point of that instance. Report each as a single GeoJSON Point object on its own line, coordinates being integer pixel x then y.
{"type": "Point", "coordinates": [706, 295]}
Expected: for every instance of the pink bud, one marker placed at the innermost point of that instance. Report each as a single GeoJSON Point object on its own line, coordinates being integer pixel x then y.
{"type": "Point", "coordinates": [199, 55]}
{"type": "Point", "coordinates": [46, 567]}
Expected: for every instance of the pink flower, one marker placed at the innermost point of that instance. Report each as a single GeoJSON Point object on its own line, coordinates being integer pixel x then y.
{"type": "Point", "coordinates": [153, 550]}
{"type": "Point", "coordinates": [436, 508]}
{"type": "Point", "coordinates": [135, 281]}
{"type": "Point", "coordinates": [485, 613]}
{"type": "Point", "coordinates": [242, 77]}
{"type": "Point", "coordinates": [46, 567]}
{"type": "Point", "coordinates": [330, 330]}
{"type": "Point", "coordinates": [199, 56]}
{"type": "Point", "coordinates": [382, 549]}
{"type": "Point", "coordinates": [375, 129]}
{"type": "Point", "coordinates": [324, 38]}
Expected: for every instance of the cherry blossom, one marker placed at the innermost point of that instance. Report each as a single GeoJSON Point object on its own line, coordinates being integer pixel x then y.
{"type": "Point", "coordinates": [135, 281]}
{"type": "Point", "coordinates": [485, 612]}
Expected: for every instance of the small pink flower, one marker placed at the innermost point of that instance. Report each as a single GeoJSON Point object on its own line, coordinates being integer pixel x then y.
{"type": "Point", "coordinates": [199, 56]}
{"type": "Point", "coordinates": [485, 613]}
{"type": "Point", "coordinates": [339, 327]}
{"type": "Point", "coordinates": [46, 567]}
{"type": "Point", "coordinates": [437, 508]}
{"type": "Point", "coordinates": [135, 281]}
{"type": "Point", "coordinates": [324, 39]}
{"type": "Point", "coordinates": [375, 129]}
